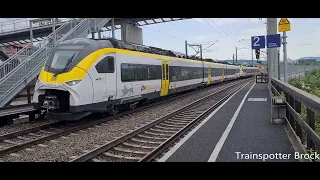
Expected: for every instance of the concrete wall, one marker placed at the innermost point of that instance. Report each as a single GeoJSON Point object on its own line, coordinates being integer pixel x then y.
{"type": "Point", "coordinates": [131, 34]}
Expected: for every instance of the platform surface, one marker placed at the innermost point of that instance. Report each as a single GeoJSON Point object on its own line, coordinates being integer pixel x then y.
{"type": "Point", "coordinates": [240, 130]}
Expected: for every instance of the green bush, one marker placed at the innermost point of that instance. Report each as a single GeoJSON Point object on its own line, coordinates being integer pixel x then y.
{"type": "Point", "coordinates": [311, 84]}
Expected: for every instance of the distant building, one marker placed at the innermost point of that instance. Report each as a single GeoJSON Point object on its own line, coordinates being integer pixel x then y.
{"type": "Point", "coordinates": [307, 60]}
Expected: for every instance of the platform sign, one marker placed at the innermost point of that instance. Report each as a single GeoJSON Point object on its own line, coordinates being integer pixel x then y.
{"type": "Point", "coordinates": [284, 25]}
{"type": "Point", "coordinates": [273, 41]}
{"type": "Point", "coordinates": [258, 42]}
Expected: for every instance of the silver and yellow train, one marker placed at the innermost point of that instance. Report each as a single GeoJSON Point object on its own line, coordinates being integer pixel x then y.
{"type": "Point", "coordinates": [84, 76]}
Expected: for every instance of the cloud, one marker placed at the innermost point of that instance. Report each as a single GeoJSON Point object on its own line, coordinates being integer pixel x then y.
{"type": "Point", "coordinates": [255, 31]}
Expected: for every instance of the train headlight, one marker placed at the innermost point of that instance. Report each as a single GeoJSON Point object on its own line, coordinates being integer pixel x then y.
{"type": "Point", "coordinates": [73, 82]}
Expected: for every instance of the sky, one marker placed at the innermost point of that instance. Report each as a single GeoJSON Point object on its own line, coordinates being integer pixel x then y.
{"type": "Point", "coordinates": [227, 34]}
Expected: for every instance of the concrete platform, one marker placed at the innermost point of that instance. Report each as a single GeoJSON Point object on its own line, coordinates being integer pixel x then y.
{"type": "Point", "coordinates": [239, 130]}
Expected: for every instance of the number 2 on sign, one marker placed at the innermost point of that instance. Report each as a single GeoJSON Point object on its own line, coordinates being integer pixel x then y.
{"type": "Point", "coordinates": [256, 39]}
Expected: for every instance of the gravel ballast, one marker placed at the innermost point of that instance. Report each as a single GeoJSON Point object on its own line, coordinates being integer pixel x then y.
{"type": "Point", "coordinates": [66, 148]}
{"type": "Point", "coordinates": [22, 126]}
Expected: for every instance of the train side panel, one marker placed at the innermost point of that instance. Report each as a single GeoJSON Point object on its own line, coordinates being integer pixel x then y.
{"type": "Point", "coordinates": [184, 75]}
{"type": "Point", "coordinates": [139, 78]}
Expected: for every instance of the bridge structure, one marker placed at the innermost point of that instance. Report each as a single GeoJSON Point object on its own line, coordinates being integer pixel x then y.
{"type": "Point", "coordinates": [262, 121]}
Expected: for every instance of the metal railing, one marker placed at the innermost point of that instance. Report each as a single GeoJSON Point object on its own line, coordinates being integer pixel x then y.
{"type": "Point", "coordinates": [304, 129]}
{"type": "Point", "coordinates": [14, 75]}
{"type": "Point", "coordinates": [23, 24]}
{"type": "Point", "coordinates": [13, 62]}
{"type": "Point", "coordinates": [262, 78]}
{"type": "Point", "coordinates": [293, 75]}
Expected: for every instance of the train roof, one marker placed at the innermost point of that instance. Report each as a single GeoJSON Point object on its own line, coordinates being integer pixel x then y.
{"type": "Point", "coordinates": [114, 43]}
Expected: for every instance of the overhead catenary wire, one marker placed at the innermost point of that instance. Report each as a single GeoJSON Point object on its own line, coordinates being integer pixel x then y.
{"type": "Point", "coordinates": [226, 36]}
{"type": "Point", "coordinates": [236, 43]}
{"type": "Point", "coordinates": [215, 29]}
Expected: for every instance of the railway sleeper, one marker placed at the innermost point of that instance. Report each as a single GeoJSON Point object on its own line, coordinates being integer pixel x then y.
{"type": "Point", "coordinates": [188, 117]}
{"type": "Point", "coordinates": [146, 150]}
{"type": "Point", "coordinates": [160, 126]}
{"type": "Point", "coordinates": [55, 129]}
{"type": "Point", "coordinates": [46, 132]}
{"type": "Point", "coordinates": [179, 121]}
{"type": "Point", "coordinates": [182, 119]}
{"type": "Point", "coordinates": [36, 135]}
{"type": "Point", "coordinates": [11, 142]}
{"type": "Point", "coordinates": [174, 125]}
{"type": "Point", "coordinates": [125, 154]}
{"type": "Point", "coordinates": [24, 138]}
{"type": "Point", "coordinates": [130, 151]}
{"type": "Point", "coordinates": [151, 137]}
{"type": "Point", "coordinates": [97, 160]}
{"type": "Point", "coordinates": [143, 141]}
{"type": "Point", "coordinates": [121, 157]}
{"type": "Point", "coordinates": [138, 146]}
{"type": "Point", "coordinates": [162, 131]}
{"type": "Point", "coordinates": [184, 115]}
{"type": "Point", "coordinates": [157, 134]}
{"type": "Point", "coordinates": [190, 112]}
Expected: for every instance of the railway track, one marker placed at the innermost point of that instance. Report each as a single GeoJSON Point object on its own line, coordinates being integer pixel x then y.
{"type": "Point", "coordinates": [149, 141]}
{"type": "Point", "coordinates": [19, 140]}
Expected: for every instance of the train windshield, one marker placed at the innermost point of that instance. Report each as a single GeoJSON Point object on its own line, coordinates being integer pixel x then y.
{"type": "Point", "coordinates": [63, 56]}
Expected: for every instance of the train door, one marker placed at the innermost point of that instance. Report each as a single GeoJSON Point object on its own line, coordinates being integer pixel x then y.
{"type": "Point", "coordinates": [164, 78]}
{"type": "Point", "coordinates": [111, 78]}
{"type": "Point", "coordinates": [209, 74]}
{"type": "Point", "coordinates": [98, 76]}
{"type": "Point", "coordinates": [223, 70]}
{"type": "Point", "coordinates": [104, 79]}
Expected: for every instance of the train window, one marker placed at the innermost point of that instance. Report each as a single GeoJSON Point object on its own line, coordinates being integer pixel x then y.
{"type": "Point", "coordinates": [215, 72]}
{"type": "Point", "coordinates": [205, 72]}
{"type": "Point", "coordinates": [201, 72]}
{"type": "Point", "coordinates": [167, 72]}
{"type": "Point", "coordinates": [173, 76]}
{"type": "Point", "coordinates": [184, 73]}
{"type": "Point", "coordinates": [127, 72]}
{"type": "Point", "coordinates": [106, 65]}
{"type": "Point", "coordinates": [110, 64]}
{"type": "Point", "coordinates": [175, 73]}
{"type": "Point", "coordinates": [196, 73]}
{"type": "Point", "coordinates": [154, 72]}
{"type": "Point", "coordinates": [141, 72]}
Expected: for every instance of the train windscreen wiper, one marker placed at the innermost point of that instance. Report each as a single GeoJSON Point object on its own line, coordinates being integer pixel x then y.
{"type": "Point", "coordinates": [69, 61]}
{"type": "Point", "coordinates": [67, 65]}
